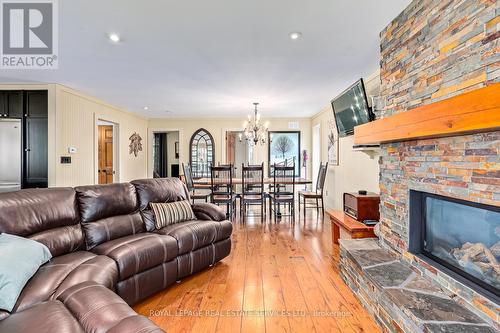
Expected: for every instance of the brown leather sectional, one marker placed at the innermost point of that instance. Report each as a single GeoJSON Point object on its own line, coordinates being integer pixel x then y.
{"type": "Point", "coordinates": [107, 254]}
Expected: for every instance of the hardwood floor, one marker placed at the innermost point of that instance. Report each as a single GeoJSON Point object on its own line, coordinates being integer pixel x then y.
{"type": "Point", "coordinates": [278, 278]}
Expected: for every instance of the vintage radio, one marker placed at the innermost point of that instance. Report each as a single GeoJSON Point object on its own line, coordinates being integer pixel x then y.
{"type": "Point", "coordinates": [362, 207]}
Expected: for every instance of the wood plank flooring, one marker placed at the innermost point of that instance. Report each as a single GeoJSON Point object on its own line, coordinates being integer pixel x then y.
{"type": "Point", "coordinates": [279, 277]}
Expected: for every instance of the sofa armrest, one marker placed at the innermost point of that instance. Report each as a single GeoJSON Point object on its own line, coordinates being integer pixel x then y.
{"type": "Point", "coordinates": [208, 211]}
{"type": "Point", "coordinates": [98, 309]}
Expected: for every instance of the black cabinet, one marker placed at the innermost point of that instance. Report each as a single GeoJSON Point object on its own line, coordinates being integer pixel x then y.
{"type": "Point", "coordinates": [11, 104]}
{"type": "Point", "coordinates": [3, 106]}
{"type": "Point", "coordinates": [35, 139]}
{"type": "Point", "coordinates": [36, 104]}
{"type": "Point", "coordinates": [35, 154]}
{"type": "Point", "coordinates": [31, 106]}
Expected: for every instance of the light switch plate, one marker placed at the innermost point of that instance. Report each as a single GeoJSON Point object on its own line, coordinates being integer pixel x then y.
{"type": "Point", "coordinates": [72, 150]}
{"type": "Point", "coordinates": [65, 159]}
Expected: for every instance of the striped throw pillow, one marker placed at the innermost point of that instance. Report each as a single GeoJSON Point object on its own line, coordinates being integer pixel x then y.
{"type": "Point", "coordinates": [172, 212]}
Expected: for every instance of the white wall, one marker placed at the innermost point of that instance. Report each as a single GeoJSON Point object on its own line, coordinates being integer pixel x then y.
{"type": "Point", "coordinates": [72, 122]}
{"type": "Point", "coordinates": [356, 170]}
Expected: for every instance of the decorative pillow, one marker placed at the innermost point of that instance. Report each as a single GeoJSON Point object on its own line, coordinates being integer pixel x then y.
{"type": "Point", "coordinates": [172, 212]}
{"type": "Point", "coordinates": [20, 258]}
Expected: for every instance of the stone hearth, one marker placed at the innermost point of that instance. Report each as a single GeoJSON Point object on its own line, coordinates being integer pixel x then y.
{"type": "Point", "coordinates": [398, 297]}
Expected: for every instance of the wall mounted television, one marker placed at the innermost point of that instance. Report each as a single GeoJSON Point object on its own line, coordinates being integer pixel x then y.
{"type": "Point", "coordinates": [351, 109]}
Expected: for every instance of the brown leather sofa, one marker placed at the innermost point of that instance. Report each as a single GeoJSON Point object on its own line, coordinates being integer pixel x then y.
{"type": "Point", "coordinates": [103, 241]}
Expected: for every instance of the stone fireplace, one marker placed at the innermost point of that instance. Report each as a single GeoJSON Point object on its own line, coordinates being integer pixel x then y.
{"type": "Point", "coordinates": [432, 51]}
{"type": "Point", "coordinates": [461, 238]}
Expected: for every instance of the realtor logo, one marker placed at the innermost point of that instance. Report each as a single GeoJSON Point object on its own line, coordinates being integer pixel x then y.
{"type": "Point", "coordinates": [29, 36]}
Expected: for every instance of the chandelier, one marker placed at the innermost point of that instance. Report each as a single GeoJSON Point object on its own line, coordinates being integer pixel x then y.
{"type": "Point", "coordinates": [255, 131]}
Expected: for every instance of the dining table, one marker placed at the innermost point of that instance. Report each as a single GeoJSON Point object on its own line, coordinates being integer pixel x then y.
{"type": "Point", "coordinates": [238, 181]}
{"type": "Point", "coordinates": [201, 183]}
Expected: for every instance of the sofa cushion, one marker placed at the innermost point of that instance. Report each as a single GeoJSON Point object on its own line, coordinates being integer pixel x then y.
{"type": "Point", "coordinates": [160, 190]}
{"type": "Point", "coordinates": [167, 213]}
{"type": "Point", "coordinates": [20, 258]}
{"type": "Point", "coordinates": [108, 212]}
{"type": "Point", "coordinates": [208, 211]}
{"type": "Point", "coordinates": [192, 235]}
{"type": "Point", "coordinates": [111, 228]}
{"type": "Point", "coordinates": [98, 202]}
{"type": "Point", "coordinates": [136, 253]}
{"type": "Point", "coordinates": [144, 284]}
{"type": "Point", "coordinates": [47, 317]}
{"type": "Point", "coordinates": [49, 216]}
{"type": "Point", "coordinates": [63, 272]}
{"type": "Point", "coordinates": [98, 309]}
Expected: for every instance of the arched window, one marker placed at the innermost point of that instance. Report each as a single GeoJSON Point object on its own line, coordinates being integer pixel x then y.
{"type": "Point", "coordinates": [201, 153]}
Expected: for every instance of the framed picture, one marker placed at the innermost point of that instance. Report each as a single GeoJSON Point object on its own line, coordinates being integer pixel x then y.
{"type": "Point", "coordinates": [284, 149]}
{"type": "Point", "coordinates": [333, 143]}
{"type": "Point", "coordinates": [177, 149]}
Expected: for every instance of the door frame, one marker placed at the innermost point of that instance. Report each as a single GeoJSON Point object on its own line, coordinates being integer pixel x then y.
{"type": "Point", "coordinates": [316, 152]}
{"type": "Point", "coordinates": [116, 149]}
{"type": "Point", "coordinates": [223, 143]}
{"type": "Point", "coordinates": [151, 133]}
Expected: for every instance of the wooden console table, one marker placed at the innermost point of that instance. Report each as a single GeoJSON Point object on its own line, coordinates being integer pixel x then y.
{"type": "Point", "coordinates": [344, 226]}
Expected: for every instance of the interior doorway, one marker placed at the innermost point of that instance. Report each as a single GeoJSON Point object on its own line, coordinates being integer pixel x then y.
{"type": "Point", "coordinates": [238, 152]}
{"type": "Point", "coordinates": [316, 152]}
{"type": "Point", "coordinates": [106, 156]}
{"type": "Point", "coordinates": [166, 154]}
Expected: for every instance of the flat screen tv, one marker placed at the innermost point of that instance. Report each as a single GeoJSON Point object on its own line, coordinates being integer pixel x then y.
{"type": "Point", "coordinates": [351, 108]}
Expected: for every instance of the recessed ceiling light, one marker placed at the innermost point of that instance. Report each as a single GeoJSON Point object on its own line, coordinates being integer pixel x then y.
{"type": "Point", "coordinates": [114, 38]}
{"type": "Point", "coordinates": [146, 108]}
{"type": "Point", "coordinates": [295, 35]}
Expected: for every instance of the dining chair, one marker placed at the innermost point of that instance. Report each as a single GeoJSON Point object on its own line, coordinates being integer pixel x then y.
{"type": "Point", "coordinates": [188, 180]}
{"type": "Point", "coordinates": [283, 191]}
{"type": "Point", "coordinates": [252, 189]}
{"type": "Point", "coordinates": [222, 190]}
{"type": "Point", "coordinates": [317, 195]}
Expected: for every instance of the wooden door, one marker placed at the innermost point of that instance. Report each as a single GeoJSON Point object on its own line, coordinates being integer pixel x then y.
{"type": "Point", "coordinates": [105, 171]}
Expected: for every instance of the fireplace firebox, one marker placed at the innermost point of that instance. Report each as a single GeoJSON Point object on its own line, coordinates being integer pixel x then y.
{"type": "Point", "coordinates": [461, 238]}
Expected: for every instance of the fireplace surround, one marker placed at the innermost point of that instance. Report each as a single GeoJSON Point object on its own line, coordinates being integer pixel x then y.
{"type": "Point", "coordinates": [459, 237]}
{"type": "Point", "coordinates": [439, 133]}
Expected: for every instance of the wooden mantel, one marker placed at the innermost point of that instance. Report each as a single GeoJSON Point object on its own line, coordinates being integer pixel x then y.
{"type": "Point", "coordinates": [475, 111]}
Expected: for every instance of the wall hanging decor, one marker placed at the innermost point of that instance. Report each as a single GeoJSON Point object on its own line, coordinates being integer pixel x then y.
{"type": "Point", "coordinates": [135, 144]}
{"type": "Point", "coordinates": [333, 143]}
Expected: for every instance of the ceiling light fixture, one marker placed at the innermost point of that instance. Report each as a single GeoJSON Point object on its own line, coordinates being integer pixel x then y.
{"type": "Point", "coordinates": [295, 35]}
{"type": "Point", "coordinates": [146, 108]}
{"type": "Point", "coordinates": [114, 38]}
{"type": "Point", "coordinates": [255, 131]}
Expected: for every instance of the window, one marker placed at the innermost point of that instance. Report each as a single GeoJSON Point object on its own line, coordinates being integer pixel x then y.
{"type": "Point", "coordinates": [201, 153]}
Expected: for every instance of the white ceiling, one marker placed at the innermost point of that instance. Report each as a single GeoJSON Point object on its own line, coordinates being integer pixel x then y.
{"type": "Point", "coordinates": [213, 58]}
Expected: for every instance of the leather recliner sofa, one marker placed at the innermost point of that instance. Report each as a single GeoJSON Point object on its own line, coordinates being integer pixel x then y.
{"type": "Point", "coordinates": [104, 241]}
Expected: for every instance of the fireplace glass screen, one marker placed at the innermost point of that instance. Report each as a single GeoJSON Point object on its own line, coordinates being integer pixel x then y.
{"type": "Point", "coordinates": [464, 236]}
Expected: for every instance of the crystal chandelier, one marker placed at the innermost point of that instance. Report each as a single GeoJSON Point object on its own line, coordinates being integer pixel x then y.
{"type": "Point", "coordinates": [255, 131]}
